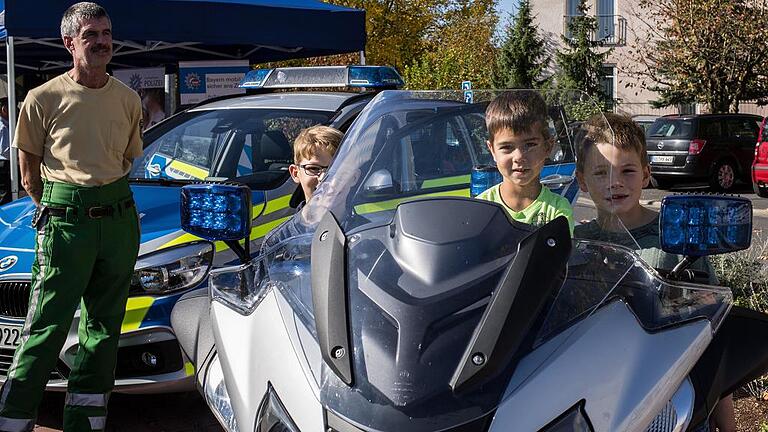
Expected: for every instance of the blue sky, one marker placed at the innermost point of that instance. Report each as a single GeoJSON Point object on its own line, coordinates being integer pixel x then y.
{"type": "Point", "coordinates": [507, 6]}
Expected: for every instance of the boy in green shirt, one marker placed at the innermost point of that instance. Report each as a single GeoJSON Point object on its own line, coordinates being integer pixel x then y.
{"type": "Point", "coordinates": [612, 166]}
{"type": "Point", "coordinates": [519, 140]}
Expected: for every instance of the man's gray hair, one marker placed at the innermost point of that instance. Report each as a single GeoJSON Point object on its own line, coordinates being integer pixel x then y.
{"type": "Point", "coordinates": [71, 21]}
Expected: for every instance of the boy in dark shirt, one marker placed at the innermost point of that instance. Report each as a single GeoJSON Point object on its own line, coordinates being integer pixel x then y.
{"type": "Point", "coordinates": [612, 166]}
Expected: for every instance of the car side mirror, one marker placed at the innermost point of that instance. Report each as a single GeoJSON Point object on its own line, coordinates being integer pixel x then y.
{"type": "Point", "coordinates": [379, 183]}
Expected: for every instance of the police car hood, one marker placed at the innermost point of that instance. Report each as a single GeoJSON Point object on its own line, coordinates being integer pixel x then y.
{"type": "Point", "coordinates": [158, 211]}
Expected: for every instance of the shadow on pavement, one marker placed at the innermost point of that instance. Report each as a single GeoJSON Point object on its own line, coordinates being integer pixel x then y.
{"type": "Point", "coordinates": [175, 412]}
{"type": "Point", "coordinates": [738, 188]}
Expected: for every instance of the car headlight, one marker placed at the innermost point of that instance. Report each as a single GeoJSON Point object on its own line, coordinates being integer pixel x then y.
{"type": "Point", "coordinates": [172, 269]}
{"type": "Point", "coordinates": [217, 397]}
{"type": "Point", "coordinates": [241, 287]}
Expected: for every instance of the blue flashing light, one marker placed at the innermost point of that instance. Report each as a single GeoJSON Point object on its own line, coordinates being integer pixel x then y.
{"type": "Point", "coordinates": [699, 225]}
{"type": "Point", "coordinates": [483, 177]}
{"type": "Point", "coordinates": [374, 76]}
{"type": "Point", "coordinates": [255, 78]}
{"type": "Point", "coordinates": [216, 211]}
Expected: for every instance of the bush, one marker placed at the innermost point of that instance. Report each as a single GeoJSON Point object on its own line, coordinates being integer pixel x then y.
{"type": "Point", "coordinates": [746, 273]}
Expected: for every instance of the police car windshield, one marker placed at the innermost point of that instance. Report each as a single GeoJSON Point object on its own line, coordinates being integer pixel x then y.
{"type": "Point", "coordinates": [251, 145]}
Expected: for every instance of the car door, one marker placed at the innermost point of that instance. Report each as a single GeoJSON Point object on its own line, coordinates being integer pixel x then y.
{"type": "Point", "coordinates": [741, 134]}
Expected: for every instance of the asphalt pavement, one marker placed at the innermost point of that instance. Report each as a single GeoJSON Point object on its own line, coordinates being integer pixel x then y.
{"type": "Point", "coordinates": [174, 412]}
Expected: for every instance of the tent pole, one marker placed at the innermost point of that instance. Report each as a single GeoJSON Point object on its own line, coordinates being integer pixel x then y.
{"type": "Point", "coordinates": [362, 57]}
{"type": "Point", "coordinates": [12, 104]}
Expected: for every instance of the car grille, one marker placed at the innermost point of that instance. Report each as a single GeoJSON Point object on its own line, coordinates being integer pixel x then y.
{"type": "Point", "coordinates": [14, 298]}
{"type": "Point", "coordinates": [6, 357]}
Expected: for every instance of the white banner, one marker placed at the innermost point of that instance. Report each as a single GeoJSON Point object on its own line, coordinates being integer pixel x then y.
{"type": "Point", "coordinates": [149, 83]}
{"type": "Point", "coordinates": [203, 80]}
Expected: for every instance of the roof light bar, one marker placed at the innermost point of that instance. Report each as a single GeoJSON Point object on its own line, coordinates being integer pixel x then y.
{"type": "Point", "coordinates": [323, 77]}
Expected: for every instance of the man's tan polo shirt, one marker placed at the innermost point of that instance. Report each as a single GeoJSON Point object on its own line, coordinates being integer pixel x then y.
{"type": "Point", "coordinates": [85, 136]}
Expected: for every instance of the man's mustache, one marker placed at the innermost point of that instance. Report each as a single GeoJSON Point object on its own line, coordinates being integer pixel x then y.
{"type": "Point", "coordinates": [98, 48]}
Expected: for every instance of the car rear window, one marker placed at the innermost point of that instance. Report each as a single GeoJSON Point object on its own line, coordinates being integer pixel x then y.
{"type": "Point", "coordinates": [671, 128]}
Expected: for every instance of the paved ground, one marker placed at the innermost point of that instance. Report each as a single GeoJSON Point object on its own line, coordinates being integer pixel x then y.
{"type": "Point", "coordinates": [178, 412]}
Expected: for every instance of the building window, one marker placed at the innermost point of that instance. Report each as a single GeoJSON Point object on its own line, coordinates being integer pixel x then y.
{"type": "Point", "coordinates": [571, 10]}
{"type": "Point", "coordinates": [607, 82]}
{"type": "Point", "coordinates": [606, 20]}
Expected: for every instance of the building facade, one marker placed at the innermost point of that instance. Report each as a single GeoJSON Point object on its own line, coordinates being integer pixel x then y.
{"type": "Point", "coordinates": [621, 27]}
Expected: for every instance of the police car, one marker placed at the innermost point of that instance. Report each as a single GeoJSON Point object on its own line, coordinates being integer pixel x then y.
{"type": "Point", "coordinates": [244, 138]}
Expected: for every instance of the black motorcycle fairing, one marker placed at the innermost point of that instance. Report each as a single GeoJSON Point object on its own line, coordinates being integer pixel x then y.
{"type": "Point", "coordinates": [736, 356]}
{"type": "Point", "coordinates": [411, 320]}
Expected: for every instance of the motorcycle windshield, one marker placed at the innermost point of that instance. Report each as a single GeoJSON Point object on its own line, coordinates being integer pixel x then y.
{"type": "Point", "coordinates": [430, 276]}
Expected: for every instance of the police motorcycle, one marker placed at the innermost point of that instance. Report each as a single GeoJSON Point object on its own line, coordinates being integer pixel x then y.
{"type": "Point", "coordinates": [394, 302]}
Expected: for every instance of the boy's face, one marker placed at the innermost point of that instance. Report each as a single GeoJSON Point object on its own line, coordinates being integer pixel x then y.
{"type": "Point", "coordinates": [614, 178]}
{"type": "Point", "coordinates": [308, 172]}
{"type": "Point", "coordinates": [520, 156]}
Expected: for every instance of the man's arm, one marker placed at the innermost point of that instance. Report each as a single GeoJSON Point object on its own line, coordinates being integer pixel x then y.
{"type": "Point", "coordinates": [29, 164]}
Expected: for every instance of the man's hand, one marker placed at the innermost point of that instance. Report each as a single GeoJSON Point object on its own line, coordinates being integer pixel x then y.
{"type": "Point", "coordinates": [29, 164]}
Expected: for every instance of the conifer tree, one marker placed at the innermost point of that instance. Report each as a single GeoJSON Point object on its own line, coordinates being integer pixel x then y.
{"type": "Point", "coordinates": [522, 59]}
{"type": "Point", "coordinates": [580, 64]}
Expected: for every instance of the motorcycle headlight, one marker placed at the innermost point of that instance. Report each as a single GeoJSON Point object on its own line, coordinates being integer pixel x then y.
{"type": "Point", "coordinates": [273, 417]}
{"type": "Point", "coordinates": [172, 269]}
{"type": "Point", "coordinates": [573, 420]}
{"type": "Point", "coordinates": [241, 287]}
{"type": "Point", "coordinates": [217, 397]}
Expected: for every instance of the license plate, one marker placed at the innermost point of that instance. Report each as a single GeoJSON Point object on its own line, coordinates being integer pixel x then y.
{"type": "Point", "coordinates": [10, 336]}
{"type": "Point", "coordinates": [662, 159]}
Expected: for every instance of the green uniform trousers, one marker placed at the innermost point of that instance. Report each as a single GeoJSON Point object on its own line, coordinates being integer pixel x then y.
{"type": "Point", "coordinates": [85, 255]}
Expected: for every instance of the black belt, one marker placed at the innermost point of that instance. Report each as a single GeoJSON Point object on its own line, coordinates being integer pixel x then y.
{"type": "Point", "coordinates": [95, 212]}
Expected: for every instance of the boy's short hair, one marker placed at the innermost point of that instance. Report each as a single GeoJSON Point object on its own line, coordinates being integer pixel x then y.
{"type": "Point", "coordinates": [313, 138]}
{"type": "Point", "coordinates": [615, 129]}
{"type": "Point", "coordinates": [517, 111]}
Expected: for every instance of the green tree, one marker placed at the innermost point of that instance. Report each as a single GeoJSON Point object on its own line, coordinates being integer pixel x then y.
{"type": "Point", "coordinates": [461, 48]}
{"type": "Point", "coordinates": [398, 33]}
{"type": "Point", "coordinates": [706, 51]}
{"type": "Point", "coordinates": [580, 63]}
{"type": "Point", "coordinates": [522, 58]}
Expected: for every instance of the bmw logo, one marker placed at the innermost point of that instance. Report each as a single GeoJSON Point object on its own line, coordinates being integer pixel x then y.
{"type": "Point", "coordinates": [8, 262]}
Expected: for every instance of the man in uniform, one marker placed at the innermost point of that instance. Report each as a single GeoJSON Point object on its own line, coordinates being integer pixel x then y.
{"type": "Point", "coordinates": [77, 136]}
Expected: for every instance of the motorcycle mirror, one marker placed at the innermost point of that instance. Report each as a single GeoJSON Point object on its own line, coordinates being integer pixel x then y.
{"type": "Point", "coordinates": [700, 225]}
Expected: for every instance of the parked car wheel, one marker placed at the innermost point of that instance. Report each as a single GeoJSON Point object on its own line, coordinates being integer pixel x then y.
{"type": "Point", "coordinates": [723, 177]}
{"type": "Point", "coordinates": [660, 184]}
{"type": "Point", "coordinates": [761, 192]}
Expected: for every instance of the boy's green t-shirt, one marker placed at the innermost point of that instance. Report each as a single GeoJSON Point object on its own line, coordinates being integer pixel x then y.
{"type": "Point", "coordinates": [647, 238]}
{"type": "Point", "coordinates": [544, 209]}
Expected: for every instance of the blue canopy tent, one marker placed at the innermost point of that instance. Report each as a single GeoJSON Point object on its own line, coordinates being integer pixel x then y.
{"type": "Point", "coordinates": [164, 32]}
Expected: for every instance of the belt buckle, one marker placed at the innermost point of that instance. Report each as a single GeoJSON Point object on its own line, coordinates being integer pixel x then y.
{"type": "Point", "coordinates": [95, 216]}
